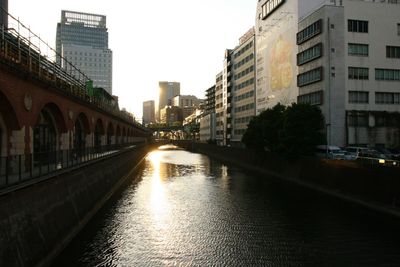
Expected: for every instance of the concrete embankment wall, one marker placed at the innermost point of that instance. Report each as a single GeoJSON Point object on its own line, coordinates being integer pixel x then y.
{"type": "Point", "coordinates": [375, 187]}
{"type": "Point", "coordinates": [38, 221]}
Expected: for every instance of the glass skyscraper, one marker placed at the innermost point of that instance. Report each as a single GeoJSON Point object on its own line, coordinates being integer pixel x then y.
{"type": "Point", "coordinates": [82, 39]}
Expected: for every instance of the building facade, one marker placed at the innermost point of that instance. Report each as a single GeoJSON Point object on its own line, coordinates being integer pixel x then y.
{"type": "Point", "coordinates": [188, 104]}
{"type": "Point", "coordinates": [148, 112]}
{"type": "Point", "coordinates": [243, 79]}
{"type": "Point", "coordinates": [220, 110]}
{"type": "Point", "coordinates": [167, 91]}
{"type": "Point", "coordinates": [349, 65]}
{"type": "Point", "coordinates": [171, 115]}
{"type": "Point", "coordinates": [276, 49]}
{"type": "Point", "coordinates": [82, 39]}
{"type": "Point", "coordinates": [207, 120]}
{"type": "Point", "coordinates": [4, 13]}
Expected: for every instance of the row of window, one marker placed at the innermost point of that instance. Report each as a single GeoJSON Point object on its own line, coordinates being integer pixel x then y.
{"type": "Point", "coordinates": [356, 73]}
{"type": "Point", "coordinates": [309, 32]}
{"type": "Point", "coordinates": [244, 49]}
{"type": "Point", "coordinates": [309, 54]}
{"type": "Point", "coordinates": [357, 26]}
{"type": "Point", "coordinates": [243, 119]}
{"type": "Point", "coordinates": [244, 84]}
{"type": "Point", "coordinates": [309, 77]}
{"type": "Point", "coordinates": [314, 98]}
{"type": "Point", "coordinates": [361, 119]}
{"type": "Point", "coordinates": [358, 49]}
{"type": "Point", "coordinates": [243, 61]}
{"type": "Point", "coordinates": [244, 96]}
{"type": "Point", "coordinates": [244, 107]}
{"type": "Point", "coordinates": [269, 7]}
{"type": "Point", "coordinates": [244, 73]}
{"type": "Point", "coordinates": [359, 97]}
{"type": "Point", "coordinates": [393, 51]}
{"type": "Point", "coordinates": [240, 131]}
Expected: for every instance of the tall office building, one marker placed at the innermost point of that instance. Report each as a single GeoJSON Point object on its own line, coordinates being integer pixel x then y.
{"type": "Point", "coordinates": [148, 112]}
{"type": "Point", "coordinates": [207, 120]}
{"type": "Point", "coordinates": [243, 79]}
{"type": "Point", "coordinates": [167, 91]}
{"type": "Point", "coordinates": [349, 65]}
{"type": "Point", "coordinates": [82, 39]}
{"type": "Point", "coordinates": [276, 49]}
{"type": "Point", "coordinates": [3, 13]}
{"type": "Point", "coordinates": [220, 109]}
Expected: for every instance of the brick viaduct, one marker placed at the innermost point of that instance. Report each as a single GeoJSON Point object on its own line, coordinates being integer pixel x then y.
{"type": "Point", "coordinates": [24, 99]}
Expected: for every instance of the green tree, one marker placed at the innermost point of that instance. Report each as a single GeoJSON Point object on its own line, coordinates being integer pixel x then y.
{"type": "Point", "coordinates": [302, 130]}
{"type": "Point", "coordinates": [290, 131]}
{"type": "Point", "coordinates": [264, 130]}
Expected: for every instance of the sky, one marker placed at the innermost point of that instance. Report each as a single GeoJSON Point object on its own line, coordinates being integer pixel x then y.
{"type": "Point", "coordinates": [177, 40]}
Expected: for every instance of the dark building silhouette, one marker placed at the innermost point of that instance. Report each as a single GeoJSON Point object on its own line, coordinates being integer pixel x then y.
{"type": "Point", "coordinates": [3, 13]}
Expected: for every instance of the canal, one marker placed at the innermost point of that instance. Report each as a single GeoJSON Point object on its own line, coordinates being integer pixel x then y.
{"type": "Point", "coordinates": [185, 209]}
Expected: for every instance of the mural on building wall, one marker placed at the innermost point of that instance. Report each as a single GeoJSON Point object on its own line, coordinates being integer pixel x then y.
{"type": "Point", "coordinates": [280, 57]}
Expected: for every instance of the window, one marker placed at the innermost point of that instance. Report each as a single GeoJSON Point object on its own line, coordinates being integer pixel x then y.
{"type": "Point", "coordinates": [393, 51]}
{"type": "Point", "coordinates": [357, 26]}
{"type": "Point", "coordinates": [358, 97]}
{"type": "Point", "coordinates": [270, 6]}
{"type": "Point", "coordinates": [309, 77]}
{"type": "Point", "coordinates": [358, 119]}
{"type": "Point", "coordinates": [315, 98]}
{"type": "Point", "coordinates": [309, 54]}
{"type": "Point", "coordinates": [358, 50]}
{"type": "Point", "coordinates": [398, 29]}
{"type": "Point", "coordinates": [358, 73]}
{"type": "Point", "coordinates": [387, 98]}
{"type": "Point", "coordinates": [387, 75]}
{"type": "Point", "coordinates": [309, 32]}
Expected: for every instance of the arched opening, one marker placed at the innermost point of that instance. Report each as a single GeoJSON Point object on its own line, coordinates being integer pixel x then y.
{"type": "Point", "coordinates": [118, 135]}
{"type": "Point", "coordinates": [123, 135]}
{"type": "Point", "coordinates": [81, 130]}
{"type": "Point", "coordinates": [98, 133]}
{"type": "Point", "coordinates": [110, 134]}
{"type": "Point", "coordinates": [8, 122]}
{"type": "Point", "coordinates": [46, 135]}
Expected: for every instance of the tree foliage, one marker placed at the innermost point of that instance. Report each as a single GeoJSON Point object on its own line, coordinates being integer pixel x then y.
{"type": "Point", "coordinates": [290, 131]}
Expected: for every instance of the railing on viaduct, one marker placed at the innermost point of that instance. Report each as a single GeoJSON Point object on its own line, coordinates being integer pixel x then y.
{"type": "Point", "coordinates": [47, 143]}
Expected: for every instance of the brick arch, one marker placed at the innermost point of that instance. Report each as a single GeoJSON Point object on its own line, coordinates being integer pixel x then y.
{"type": "Point", "coordinates": [124, 136]}
{"type": "Point", "coordinates": [110, 133]}
{"type": "Point", "coordinates": [118, 135]}
{"type": "Point", "coordinates": [85, 122]}
{"type": "Point", "coordinates": [99, 126]}
{"type": "Point", "coordinates": [56, 114]}
{"type": "Point", "coordinates": [8, 113]}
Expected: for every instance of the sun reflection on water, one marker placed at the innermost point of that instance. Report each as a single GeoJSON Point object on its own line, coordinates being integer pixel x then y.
{"type": "Point", "coordinates": [158, 202]}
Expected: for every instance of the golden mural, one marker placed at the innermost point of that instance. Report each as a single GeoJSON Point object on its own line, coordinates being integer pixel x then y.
{"type": "Point", "coordinates": [280, 65]}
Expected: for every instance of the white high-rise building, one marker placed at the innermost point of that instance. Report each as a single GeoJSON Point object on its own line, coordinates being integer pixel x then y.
{"type": "Point", "coordinates": [82, 39]}
{"type": "Point", "coordinates": [349, 65]}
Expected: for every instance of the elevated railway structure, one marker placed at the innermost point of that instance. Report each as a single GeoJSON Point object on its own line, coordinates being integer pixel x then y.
{"type": "Point", "coordinates": [51, 115]}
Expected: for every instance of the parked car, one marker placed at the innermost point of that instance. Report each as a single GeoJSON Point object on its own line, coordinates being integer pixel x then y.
{"type": "Point", "coordinates": [395, 153]}
{"type": "Point", "coordinates": [330, 152]}
{"type": "Point", "coordinates": [354, 152]}
{"type": "Point", "coordinates": [372, 153]}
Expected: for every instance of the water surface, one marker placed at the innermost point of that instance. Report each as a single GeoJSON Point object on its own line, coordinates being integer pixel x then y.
{"type": "Point", "coordinates": [184, 209]}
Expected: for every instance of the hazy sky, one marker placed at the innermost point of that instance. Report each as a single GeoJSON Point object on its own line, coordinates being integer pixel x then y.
{"type": "Point", "coordinates": [158, 40]}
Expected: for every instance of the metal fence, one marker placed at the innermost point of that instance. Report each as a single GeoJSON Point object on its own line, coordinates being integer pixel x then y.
{"type": "Point", "coordinates": [18, 169]}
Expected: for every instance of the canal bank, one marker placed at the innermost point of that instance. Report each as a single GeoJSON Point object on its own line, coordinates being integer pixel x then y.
{"type": "Point", "coordinates": [372, 187]}
{"type": "Point", "coordinates": [38, 221]}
